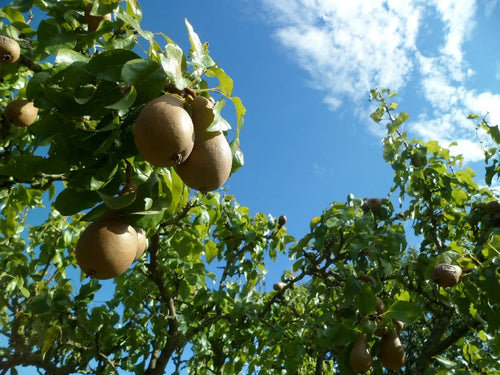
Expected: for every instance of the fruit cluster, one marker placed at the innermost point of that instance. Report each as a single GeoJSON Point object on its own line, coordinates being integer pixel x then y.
{"type": "Point", "coordinates": [391, 354]}
{"type": "Point", "coordinates": [167, 135]}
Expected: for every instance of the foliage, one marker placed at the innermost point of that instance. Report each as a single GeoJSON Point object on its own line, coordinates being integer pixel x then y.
{"type": "Point", "coordinates": [199, 301]}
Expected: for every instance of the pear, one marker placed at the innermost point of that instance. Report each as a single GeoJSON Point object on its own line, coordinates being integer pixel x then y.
{"type": "Point", "coordinates": [93, 22]}
{"type": "Point", "coordinates": [392, 353]}
{"type": "Point", "coordinates": [9, 50]}
{"type": "Point", "coordinates": [398, 324]}
{"type": "Point", "coordinates": [372, 204]}
{"type": "Point", "coordinates": [492, 207]}
{"type": "Point", "coordinates": [380, 306]}
{"type": "Point", "coordinates": [106, 248]}
{"type": "Point", "coordinates": [209, 165]}
{"type": "Point", "coordinates": [360, 359]}
{"type": "Point", "coordinates": [142, 242]}
{"type": "Point", "coordinates": [164, 133]}
{"type": "Point", "coordinates": [279, 285]}
{"type": "Point", "coordinates": [21, 112]}
{"type": "Point", "coordinates": [446, 275]}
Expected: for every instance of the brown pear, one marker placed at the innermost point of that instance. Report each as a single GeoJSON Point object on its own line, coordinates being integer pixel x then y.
{"type": "Point", "coordinates": [142, 242]}
{"type": "Point", "coordinates": [106, 248]}
{"type": "Point", "coordinates": [492, 207]}
{"type": "Point", "coordinates": [380, 306]}
{"type": "Point", "coordinates": [372, 204]}
{"type": "Point", "coordinates": [164, 133]}
{"type": "Point", "coordinates": [360, 359]}
{"type": "Point", "coordinates": [279, 285]}
{"type": "Point", "coordinates": [392, 353]}
{"type": "Point", "coordinates": [446, 275]}
{"type": "Point", "coordinates": [398, 324]}
{"type": "Point", "coordinates": [209, 165]}
{"type": "Point", "coordinates": [21, 112]}
{"type": "Point", "coordinates": [9, 50]}
{"type": "Point", "coordinates": [93, 22]}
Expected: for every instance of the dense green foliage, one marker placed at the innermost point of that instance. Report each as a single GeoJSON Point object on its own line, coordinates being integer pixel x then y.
{"type": "Point", "coordinates": [199, 301]}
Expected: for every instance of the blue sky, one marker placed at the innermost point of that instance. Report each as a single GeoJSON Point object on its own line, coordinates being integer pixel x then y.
{"type": "Point", "coordinates": [303, 69]}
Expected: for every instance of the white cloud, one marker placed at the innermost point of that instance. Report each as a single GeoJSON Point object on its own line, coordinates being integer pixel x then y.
{"type": "Point", "coordinates": [349, 47]}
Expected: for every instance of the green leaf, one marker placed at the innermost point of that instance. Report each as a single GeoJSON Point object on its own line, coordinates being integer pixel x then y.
{"type": "Point", "coordinates": [240, 114]}
{"type": "Point", "coordinates": [174, 65]}
{"type": "Point", "coordinates": [404, 311]}
{"type": "Point", "coordinates": [219, 123]}
{"type": "Point", "coordinates": [447, 257]}
{"type": "Point", "coordinates": [52, 37]}
{"type": "Point", "coordinates": [68, 56]}
{"type": "Point", "coordinates": [138, 70]}
{"type": "Point", "coordinates": [238, 156]}
{"type": "Point", "coordinates": [118, 202]}
{"type": "Point", "coordinates": [50, 337]}
{"type": "Point", "coordinates": [225, 82]}
{"type": "Point", "coordinates": [199, 53]}
{"type": "Point", "coordinates": [108, 65]}
{"type": "Point", "coordinates": [211, 250]}
{"type": "Point", "coordinates": [71, 201]}
{"type": "Point", "coordinates": [124, 104]}
{"type": "Point", "coordinates": [147, 76]}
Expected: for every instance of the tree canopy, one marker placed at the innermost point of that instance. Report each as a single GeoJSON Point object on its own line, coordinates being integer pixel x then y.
{"type": "Point", "coordinates": [200, 299]}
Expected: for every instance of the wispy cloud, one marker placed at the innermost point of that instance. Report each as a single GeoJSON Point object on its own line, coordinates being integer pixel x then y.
{"type": "Point", "coordinates": [349, 47]}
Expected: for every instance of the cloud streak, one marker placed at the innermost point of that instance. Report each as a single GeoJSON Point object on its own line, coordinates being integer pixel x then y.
{"type": "Point", "coordinates": [349, 47]}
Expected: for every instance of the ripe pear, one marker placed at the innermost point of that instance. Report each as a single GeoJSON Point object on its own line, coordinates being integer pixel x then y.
{"type": "Point", "coordinates": [164, 132]}
{"type": "Point", "coordinates": [446, 275]}
{"type": "Point", "coordinates": [380, 307]}
{"type": "Point", "coordinates": [492, 207]}
{"type": "Point", "coordinates": [93, 22]}
{"type": "Point", "coordinates": [21, 112]}
{"type": "Point", "coordinates": [142, 242]}
{"type": "Point", "coordinates": [398, 324]}
{"type": "Point", "coordinates": [392, 353]}
{"type": "Point", "coordinates": [279, 285]}
{"type": "Point", "coordinates": [9, 50]}
{"type": "Point", "coordinates": [106, 248]}
{"type": "Point", "coordinates": [209, 165]}
{"type": "Point", "coordinates": [372, 204]}
{"type": "Point", "coordinates": [360, 359]}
